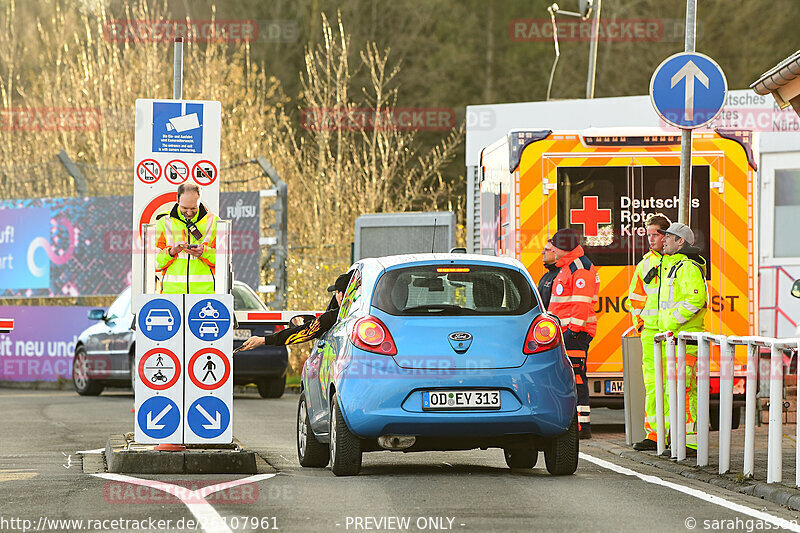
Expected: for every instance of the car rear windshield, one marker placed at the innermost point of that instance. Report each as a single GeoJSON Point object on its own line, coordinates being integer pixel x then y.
{"type": "Point", "coordinates": [450, 289]}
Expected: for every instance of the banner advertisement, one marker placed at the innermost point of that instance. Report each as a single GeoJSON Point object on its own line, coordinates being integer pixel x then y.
{"type": "Point", "coordinates": [42, 344]}
{"type": "Point", "coordinates": [82, 246]}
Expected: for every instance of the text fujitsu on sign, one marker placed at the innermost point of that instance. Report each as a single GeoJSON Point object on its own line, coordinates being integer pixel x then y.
{"type": "Point", "coordinates": [608, 207]}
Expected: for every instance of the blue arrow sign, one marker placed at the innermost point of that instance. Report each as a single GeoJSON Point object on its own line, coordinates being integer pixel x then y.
{"type": "Point", "coordinates": [158, 417]}
{"type": "Point", "coordinates": [209, 319]}
{"type": "Point", "coordinates": [159, 319]}
{"type": "Point", "coordinates": [208, 417]}
{"type": "Point", "coordinates": [688, 90]}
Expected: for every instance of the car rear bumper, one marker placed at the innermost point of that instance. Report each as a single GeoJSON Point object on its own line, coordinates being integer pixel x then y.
{"type": "Point", "coordinates": [380, 398]}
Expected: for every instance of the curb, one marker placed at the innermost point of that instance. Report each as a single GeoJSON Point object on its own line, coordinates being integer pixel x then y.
{"type": "Point", "coordinates": [773, 492]}
{"type": "Point", "coordinates": [122, 455]}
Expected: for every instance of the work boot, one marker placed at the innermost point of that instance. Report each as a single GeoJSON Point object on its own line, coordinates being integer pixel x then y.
{"type": "Point", "coordinates": [585, 433]}
{"type": "Point", "coordinates": [690, 452]}
{"type": "Point", "coordinates": [645, 445]}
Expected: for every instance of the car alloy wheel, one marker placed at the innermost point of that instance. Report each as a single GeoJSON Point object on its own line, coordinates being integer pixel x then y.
{"type": "Point", "coordinates": [84, 385]}
{"type": "Point", "coordinates": [310, 452]}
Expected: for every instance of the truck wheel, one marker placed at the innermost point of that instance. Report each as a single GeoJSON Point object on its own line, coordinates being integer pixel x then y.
{"type": "Point", "coordinates": [521, 457]}
{"type": "Point", "coordinates": [561, 453]}
{"type": "Point", "coordinates": [345, 448]}
{"type": "Point", "coordinates": [80, 375]}
{"type": "Point", "coordinates": [272, 387]}
{"type": "Point", "coordinates": [310, 451]}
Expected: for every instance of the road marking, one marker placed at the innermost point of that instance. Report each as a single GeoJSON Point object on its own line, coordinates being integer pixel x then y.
{"type": "Point", "coordinates": [16, 475]}
{"type": "Point", "coordinates": [195, 500]}
{"type": "Point", "coordinates": [710, 498]}
{"type": "Point", "coordinates": [87, 452]}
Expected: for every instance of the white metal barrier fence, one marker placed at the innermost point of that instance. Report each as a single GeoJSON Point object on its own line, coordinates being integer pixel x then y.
{"type": "Point", "coordinates": [676, 381]}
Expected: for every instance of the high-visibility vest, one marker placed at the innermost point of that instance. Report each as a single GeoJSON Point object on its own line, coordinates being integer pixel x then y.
{"type": "Point", "coordinates": [184, 274]}
{"type": "Point", "coordinates": [642, 296]}
{"type": "Point", "coordinates": [682, 295]}
{"type": "Point", "coordinates": [575, 293]}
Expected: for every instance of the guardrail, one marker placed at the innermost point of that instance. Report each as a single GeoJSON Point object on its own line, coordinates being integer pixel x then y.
{"type": "Point", "coordinates": [676, 381]}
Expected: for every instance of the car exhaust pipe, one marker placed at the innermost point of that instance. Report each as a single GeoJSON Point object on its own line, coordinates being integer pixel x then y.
{"type": "Point", "coordinates": [396, 442]}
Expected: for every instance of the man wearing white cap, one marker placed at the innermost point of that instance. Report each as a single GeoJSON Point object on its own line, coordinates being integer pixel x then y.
{"type": "Point", "coordinates": [682, 303]}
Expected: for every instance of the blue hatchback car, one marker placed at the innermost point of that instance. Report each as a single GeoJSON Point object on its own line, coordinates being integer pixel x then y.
{"type": "Point", "coordinates": [439, 352]}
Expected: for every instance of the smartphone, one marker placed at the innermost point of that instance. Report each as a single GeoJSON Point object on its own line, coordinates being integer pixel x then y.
{"type": "Point", "coordinates": [192, 245]}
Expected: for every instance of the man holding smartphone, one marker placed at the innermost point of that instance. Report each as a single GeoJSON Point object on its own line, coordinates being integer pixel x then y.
{"type": "Point", "coordinates": [187, 239]}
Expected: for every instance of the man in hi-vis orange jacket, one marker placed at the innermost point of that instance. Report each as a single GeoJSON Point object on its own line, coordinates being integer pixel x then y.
{"type": "Point", "coordinates": [575, 293]}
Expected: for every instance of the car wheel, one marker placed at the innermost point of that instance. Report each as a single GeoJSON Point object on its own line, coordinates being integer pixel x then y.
{"type": "Point", "coordinates": [561, 453]}
{"type": "Point", "coordinates": [272, 388]}
{"type": "Point", "coordinates": [80, 375]}
{"type": "Point", "coordinates": [310, 451]}
{"type": "Point", "coordinates": [713, 418]}
{"type": "Point", "coordinates": [345, 448]}
{"type": "Point", "coordinates": [521, 457]}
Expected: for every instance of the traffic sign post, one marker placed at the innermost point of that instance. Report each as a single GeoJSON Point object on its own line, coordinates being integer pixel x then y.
{"type": "Point", "coordinates": [209, 369]}
{"type": "Point", "coordinates": [680, 102]}
{"type": "Point", "coordinates": [159, 380]}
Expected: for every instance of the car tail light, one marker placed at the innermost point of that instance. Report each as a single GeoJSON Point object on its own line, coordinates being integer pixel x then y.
{"type": "Point", "coordinates": [543, 334]}
{"type": "Point", "coordinates": [371, 335]}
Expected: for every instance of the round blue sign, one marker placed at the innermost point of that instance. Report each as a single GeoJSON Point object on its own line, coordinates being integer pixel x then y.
{"type": "Point", "coordinates": [159, 319]}
{"type": "Point", "coordinates": [688, 90]}
{"type": "Point", "coordinates": [209, 319]}
{"type": "Point", "coordinates": [158, 417]}
{"type": "Point", "coordinates": [208, 417]}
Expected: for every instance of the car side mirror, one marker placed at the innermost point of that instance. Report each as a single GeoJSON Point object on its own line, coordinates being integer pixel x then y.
{"type": "Point", "coordinates": [796, 289]}
{"type": "Point", "coordinates": [97, 314]}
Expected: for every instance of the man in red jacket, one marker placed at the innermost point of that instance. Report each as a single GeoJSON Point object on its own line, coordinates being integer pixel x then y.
{"type": "Point", "coordinates": [575, 293]}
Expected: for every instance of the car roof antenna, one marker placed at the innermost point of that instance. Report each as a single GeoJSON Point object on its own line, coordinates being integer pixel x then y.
{"type": "Point", "coordinates": [433, 241]}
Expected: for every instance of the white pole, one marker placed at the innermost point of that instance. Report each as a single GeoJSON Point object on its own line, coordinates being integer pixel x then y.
{"type": "Point", "coordinates": [703, 369]}
{"type": "Point", "coordinates": [725, 404]}
{"type": "Point", "coordinates": [774, 453]}
{"type": "Point", "coordinates": [750, 410]}
{"type": "Point", "coordinates": [672, 390]}
{"type": "Point", "coordinates": [177, 70]}
{"type": "Point", "coordinates": [680, 412]}
{"type": "Point", "coordinates": [686, 134]}
{"type": "Point", "coordinates": [659, 372]}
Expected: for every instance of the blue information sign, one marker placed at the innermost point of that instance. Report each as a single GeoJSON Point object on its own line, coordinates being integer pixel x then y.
{"type": "Point", "coordinates": [209, 319]}
{"type": "Point", "coordinates": [177, 127]}
{"type": "Point", "coordinates": [158, 417]}
{"type": "Point", "coordinates": [208, 417]}
{"type": "Point", "coordinates": [688, 90]}
{"type": "Point", "coordinates": [159, 319]}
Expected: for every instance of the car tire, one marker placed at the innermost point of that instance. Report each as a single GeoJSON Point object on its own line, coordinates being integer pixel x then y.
{"type": "Point", "coordinates": [345, 448]}
{"type": "Point", "coordinates": [561, 453]}
{"type": "Point", "coordinates": [80, 375]}
{"type": "Point", "coordinates": [713, 418]}
{"type": "Point", "coordinates": [272, 387]}
{"type": "Point", "coordinates": [521, 457]}
{"type": "Point", "coordinates": [310, 452]}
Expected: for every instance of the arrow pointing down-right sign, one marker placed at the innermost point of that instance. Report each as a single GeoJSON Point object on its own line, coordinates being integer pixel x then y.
{"type": "Point", "coordinates": [688, 90]}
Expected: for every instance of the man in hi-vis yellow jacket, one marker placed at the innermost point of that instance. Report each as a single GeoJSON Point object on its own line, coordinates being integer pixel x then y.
{"type": "Point", "coordinates": [187, 242]}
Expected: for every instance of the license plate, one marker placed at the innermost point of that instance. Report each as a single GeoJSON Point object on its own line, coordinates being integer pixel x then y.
{"type": "Point", "coordinates": [460, 399]}
{"type": "Point", "coordinates": [242, 334]}
{"type": "Point", "coordinates": [614, 386]}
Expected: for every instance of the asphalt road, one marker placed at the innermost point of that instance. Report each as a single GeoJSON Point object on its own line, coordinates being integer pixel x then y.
{"type": "Point", "coordinates": [42, 479]}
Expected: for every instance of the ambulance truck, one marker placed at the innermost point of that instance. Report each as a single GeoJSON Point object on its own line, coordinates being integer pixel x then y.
{"type": "Point", "coordinates": [604, 183]}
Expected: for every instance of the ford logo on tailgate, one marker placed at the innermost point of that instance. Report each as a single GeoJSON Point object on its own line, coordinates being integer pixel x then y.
{"type": "Point", "coordinates": [460, 341]}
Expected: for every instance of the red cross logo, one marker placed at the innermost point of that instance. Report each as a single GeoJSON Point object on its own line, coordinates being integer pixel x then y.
{"type": "Point", "coordinates": [590, 216]}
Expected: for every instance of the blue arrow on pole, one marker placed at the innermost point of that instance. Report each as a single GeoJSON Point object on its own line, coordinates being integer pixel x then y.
{"type": "Point", "coordinates": [688, 90]}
